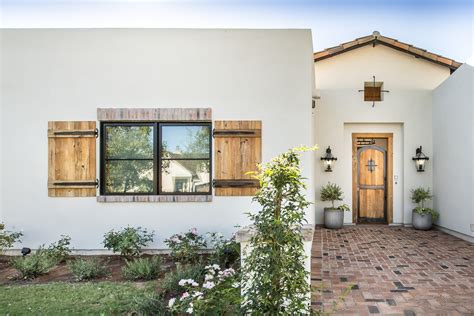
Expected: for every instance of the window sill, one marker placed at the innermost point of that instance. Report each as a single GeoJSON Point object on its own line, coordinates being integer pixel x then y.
{"type": "Point", "coordinates": [153, 198]}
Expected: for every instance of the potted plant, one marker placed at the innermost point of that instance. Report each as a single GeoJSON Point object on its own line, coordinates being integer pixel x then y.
{"type": "Point", "coordinates": [422, 217]}
{"type": "Point", "coordinates": [333, 216]}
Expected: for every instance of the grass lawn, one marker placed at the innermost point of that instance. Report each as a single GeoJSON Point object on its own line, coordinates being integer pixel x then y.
{"type": "Point", "coordinates": [92, 298]}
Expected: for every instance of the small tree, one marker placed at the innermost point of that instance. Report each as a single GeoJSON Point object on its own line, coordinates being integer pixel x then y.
{"type": "Point", "coordinates": [332, 192]}
{"type": "Point", "coordinates": [8, 238]}
{"type": "Point", "coordinates": [420, 196]}
{"type": "Point", "coordinates": [274, 277]}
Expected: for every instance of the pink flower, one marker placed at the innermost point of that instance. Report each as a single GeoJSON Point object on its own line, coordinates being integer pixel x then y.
{"type": "Point", "coordinates": [185, 295]}
{"type": "Point", "coordinates": [194, 231]}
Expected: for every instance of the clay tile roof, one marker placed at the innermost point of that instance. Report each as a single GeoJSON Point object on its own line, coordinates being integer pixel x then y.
{"type": "Point", "coordinates": [376, 39]}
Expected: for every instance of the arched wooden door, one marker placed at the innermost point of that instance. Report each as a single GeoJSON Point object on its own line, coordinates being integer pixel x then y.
{"type": "Point", "coordinates": [371, 184]}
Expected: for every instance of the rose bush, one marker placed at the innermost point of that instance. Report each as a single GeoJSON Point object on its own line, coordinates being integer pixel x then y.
{"type": "Point", "coordinates": [185, 246]}
{"type": "Point", "coordinates": [218, 294]}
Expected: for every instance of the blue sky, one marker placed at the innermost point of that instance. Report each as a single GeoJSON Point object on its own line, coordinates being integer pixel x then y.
{"type": "Point", "coordinates": [443, 27]}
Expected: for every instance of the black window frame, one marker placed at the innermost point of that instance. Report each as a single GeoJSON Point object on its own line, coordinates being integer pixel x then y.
{"type": "Point", "coordinates": [157, 156]}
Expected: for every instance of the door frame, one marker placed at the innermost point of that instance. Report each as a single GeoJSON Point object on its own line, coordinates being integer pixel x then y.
{"type": "Point", "coordinates": [389, 180]}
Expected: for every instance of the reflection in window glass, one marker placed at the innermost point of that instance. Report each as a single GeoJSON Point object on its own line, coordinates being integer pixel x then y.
{"type": "Point", "coordinates": [189, 176]}
{"type": "Point", "coordinates": [129, 142]}
{"type": "Point", "coordinates": [129, 176]}
{"type": "Point", "coordinates": [190, 141]}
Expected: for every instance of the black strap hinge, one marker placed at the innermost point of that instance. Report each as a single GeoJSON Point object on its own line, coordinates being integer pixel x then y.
{"type": "Point", "coordinates": [235, 183]}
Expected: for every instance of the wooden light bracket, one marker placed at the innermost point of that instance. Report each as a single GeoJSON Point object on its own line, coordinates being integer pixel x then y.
{"type": "Point", "coordinates": [373, 91]}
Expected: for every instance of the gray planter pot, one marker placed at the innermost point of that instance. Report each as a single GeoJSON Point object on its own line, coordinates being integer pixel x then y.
{"type": "Point", "coordinates": [422, 222]}
{"type": "Point", "coordinates": [333, 218]}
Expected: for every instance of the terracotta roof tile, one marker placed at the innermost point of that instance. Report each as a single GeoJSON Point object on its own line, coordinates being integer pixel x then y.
{"type": "Point", "coordinates": [376, 38]}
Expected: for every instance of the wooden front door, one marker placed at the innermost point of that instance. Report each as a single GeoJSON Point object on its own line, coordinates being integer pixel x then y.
{"type": "Point", "coordinates": [371, 184]}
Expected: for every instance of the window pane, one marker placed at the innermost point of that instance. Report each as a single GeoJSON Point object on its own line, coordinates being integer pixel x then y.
{"type": "Point", "coordinates": [129, 142]}
{"type": "Point", "coordinates": [129, 176]}
{"type": "Point", "coordinates": [185, 141]}
{"type": "Point", "coordinates": [185, 176]}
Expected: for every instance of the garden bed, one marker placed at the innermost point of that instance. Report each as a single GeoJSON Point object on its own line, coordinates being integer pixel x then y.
{"type": "Point", "coordinates": [62, 273]}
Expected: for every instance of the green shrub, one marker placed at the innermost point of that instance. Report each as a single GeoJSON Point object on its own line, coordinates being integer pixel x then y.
{"type": "Point", "coordinates": [185, 246]}
{"type": "Point", "coordinates": [226, 251]}
{"type": "Point", "coordinates": [171, 279]}
{"type": "Point", "coordinates": [33, 265]}
{"type": "Point", "coordinates": [332, 192]}
{"type": "Point", "coordinates": [43, 259]}
{"type": "Point", "coordinates": [128, 241]}
{"type": "Point", "coordinates": [87, 269]}
{"type": "Point", "coordinates": [142, 268]}
{"type": "Point", "coordinates": [60, 250]}
{"type": "Point", "coordinates": [8, 238]}
{"type": "Point", "coordinates": [420, 196]}
{"type": "Point", "coordinates": [150, 304]}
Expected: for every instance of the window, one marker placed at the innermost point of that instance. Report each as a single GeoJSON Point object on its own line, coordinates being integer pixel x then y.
{"type": "Point", "coordinates": [156, 158]}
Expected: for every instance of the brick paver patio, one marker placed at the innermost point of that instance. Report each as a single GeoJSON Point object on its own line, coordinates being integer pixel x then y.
{"type": "Point", "coordinates": [393, 271]}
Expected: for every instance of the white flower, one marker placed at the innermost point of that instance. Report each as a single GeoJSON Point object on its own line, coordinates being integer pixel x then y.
{"type": "Point", "coordinates": [185, 295]}
{"type": "Point", "coordinates": [216, 267]}
{"type": "Point", "coordinates": [208, 277]}
{"type": "Point", "coordinates": [194, 231]}
{"type": "Point", "coordinates": [195, 284]}
{"type": "Point", "coordinates": [208, 285]}
{"type": "Point", "coordinates": [198, 294]}
{"type": "Point", "coordinates": [171, 302]}
{"type": "Point", "coordinates": [190, 309]}
{"type": "Point", "coordinates": [235, 285]}
{"type": "Point", "coordinates": [182, 282]}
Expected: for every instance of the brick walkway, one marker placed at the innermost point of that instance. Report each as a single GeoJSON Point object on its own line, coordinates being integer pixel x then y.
{"type": "Point", "coordinates": [393, 271]}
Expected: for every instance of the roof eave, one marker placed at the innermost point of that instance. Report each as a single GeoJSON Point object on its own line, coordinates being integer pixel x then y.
{"type": "Point", "coordinates": [389, 42]}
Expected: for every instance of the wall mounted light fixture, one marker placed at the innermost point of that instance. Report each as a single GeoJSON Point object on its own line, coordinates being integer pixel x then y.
{"type": "Point", "coordinates": [328, 159]}
{"type": "Point", "coordinates": [420, 159]}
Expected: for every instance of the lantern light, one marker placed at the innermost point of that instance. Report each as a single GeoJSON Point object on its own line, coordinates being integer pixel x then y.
{"type": "Point", "coordinates": [328, 160]}
{"type": "Point", "coordinates": [420, 159]}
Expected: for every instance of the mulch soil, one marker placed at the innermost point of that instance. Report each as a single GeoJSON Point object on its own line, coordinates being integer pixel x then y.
{"type": "Point", "coordinates": [61, 272]}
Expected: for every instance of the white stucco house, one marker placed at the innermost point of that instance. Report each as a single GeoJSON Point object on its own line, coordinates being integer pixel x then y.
{"type": "Point", "coordinates": [104, 128]}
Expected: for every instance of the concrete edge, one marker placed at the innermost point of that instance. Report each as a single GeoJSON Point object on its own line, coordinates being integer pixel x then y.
{"type": "Point", "coordinates": [455, 233]}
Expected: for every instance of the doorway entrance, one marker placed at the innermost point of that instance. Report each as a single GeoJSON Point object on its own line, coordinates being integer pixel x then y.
{"type": "Point", "coordinates": [371, 177]}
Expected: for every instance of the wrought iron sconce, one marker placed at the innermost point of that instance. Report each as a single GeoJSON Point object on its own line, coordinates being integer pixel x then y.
{"type": "Point", "coordinates": [328, 159]}
{"type": "Point", "coordinates": [420, 159]}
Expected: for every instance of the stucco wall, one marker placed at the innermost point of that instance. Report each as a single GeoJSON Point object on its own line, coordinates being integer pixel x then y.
{"type": "Point", "coordinates": [453, 164]}
{"type": "Point", "coordinates": [66, 74]}
{"type": "Point", "coordinates": [404, 111]}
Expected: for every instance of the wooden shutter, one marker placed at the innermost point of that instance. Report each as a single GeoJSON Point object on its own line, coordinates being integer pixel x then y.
{"type": "Point", "coordinates": [71, 161]}
{"type": "Point", "coordinates": [237, 150]}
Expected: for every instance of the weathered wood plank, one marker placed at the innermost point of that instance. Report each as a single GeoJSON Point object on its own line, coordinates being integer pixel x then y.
{"type": "Point", "coordinates": [155, 114]}
{"type": "Point", "coordinates": [153, 198]}
{"type": "Point", "coordinates": [71, 159]}
{"type": "Point", "coordinates": [235, 156]}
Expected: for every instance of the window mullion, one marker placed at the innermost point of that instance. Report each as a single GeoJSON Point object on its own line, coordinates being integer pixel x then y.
{"type": "Point", "coordinates": [157, 160]}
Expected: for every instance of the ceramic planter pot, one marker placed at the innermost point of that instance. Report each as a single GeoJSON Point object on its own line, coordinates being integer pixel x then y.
{"type": "Point", "coordinates": [333, 218]}
{"type": "Point", "coordinates": [422, 222]}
